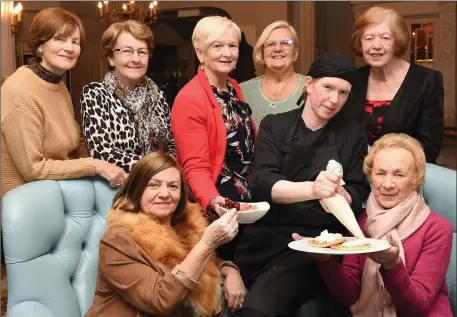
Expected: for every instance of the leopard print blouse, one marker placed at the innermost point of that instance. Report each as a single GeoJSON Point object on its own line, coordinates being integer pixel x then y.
{"type": "Point", "coordinates": [122, 129]}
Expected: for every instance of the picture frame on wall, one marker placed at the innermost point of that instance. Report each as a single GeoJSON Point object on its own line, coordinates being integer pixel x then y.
{"type": "Point", "coordinates": [29, 59]}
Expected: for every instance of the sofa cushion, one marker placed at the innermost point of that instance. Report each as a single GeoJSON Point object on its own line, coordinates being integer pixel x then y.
{"type": "Point", "coordinates": [52, 231]}
{"type": "Point", "coordinates": [439, 193]}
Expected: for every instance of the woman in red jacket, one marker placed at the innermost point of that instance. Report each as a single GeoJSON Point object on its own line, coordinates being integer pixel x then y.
{"type": "Point", "coordinates": [408, 279]}
{"type": "Point", "coordinates": [212, 125]}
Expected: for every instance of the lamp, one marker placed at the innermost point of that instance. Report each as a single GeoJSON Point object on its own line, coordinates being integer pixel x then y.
{"type": "Point", "coordinates": [16, 18]}
{"type": "Point", "coordinates": [110, 13]}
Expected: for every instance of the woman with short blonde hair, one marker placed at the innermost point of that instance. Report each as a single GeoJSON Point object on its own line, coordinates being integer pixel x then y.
{"type": "Point", "coordinates": [258, 53]}
{"type": "Point", "coordinates": [394, 95]}
{"type": "Point", "coordinates": [214, 131]}
{"type": "Point", "coordinates": [279, 88]}
{"type": "Point", "coordinates": [210, 29]}
{"type": "Point", "coordinates": [126, 116]}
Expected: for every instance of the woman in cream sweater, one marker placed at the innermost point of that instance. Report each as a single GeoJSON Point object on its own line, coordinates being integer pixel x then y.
{"type": "Point", "coordinates": [40, 137]}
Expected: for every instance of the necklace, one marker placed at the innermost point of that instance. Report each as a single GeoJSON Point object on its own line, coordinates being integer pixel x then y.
{"type": "Point", "coordinates": [275, 96]}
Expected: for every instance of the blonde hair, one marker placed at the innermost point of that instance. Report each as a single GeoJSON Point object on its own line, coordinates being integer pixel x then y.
{"type": "Point", "coordinates": [138, 30]}
{"type": "Point", "coordinates": [257, 53]}
{"type": "Point", "coordinates": [210, 29]}
{"type": "Point", "coordinates": [377, 15]}
{"type": "Point", "coordinates": [403, 141]}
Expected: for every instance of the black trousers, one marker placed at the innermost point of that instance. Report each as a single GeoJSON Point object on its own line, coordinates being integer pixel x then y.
{"type": "Point", "coordinates": [280, 280]}
{"type": "Point", "coordinates": [280, 290]}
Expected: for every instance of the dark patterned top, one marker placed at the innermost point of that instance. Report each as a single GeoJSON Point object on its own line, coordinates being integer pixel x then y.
{"type": "Point", "coordinates": [373, 118]}
{"type": "Point", "coordinates": [239, 155]}
{"type": "Point", "coordinates": [45, 74]}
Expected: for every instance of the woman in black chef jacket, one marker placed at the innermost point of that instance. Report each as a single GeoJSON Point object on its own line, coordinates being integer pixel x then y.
{"type": "Point", "coordinates": [292, 152]}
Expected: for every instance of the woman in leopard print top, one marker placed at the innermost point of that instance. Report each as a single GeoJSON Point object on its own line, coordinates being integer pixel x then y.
{"type": "Point", "coordinates": [126, 116]}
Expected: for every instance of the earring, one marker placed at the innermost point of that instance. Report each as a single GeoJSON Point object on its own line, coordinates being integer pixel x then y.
{"type": "Point", "coordinates": [39, 51]}
{"type": "Point", "coordinates": [201, 67]}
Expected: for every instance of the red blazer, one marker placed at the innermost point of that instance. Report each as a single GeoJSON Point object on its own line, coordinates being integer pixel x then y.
{"type": "Point", "coordinates": [200, 135]}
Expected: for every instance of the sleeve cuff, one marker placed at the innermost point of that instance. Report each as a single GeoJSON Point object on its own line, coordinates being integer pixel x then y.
{"type": "Point", "coordinates": [395, 274]}
{"type": "Point", "coordinates": [262, 188]}
{"type": "Point", "coordinates": [185, 280]}
{"type": "Point", "coordinates": [223, 263]}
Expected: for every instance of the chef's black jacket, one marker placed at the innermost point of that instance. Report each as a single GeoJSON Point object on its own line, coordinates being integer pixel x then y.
{"type": "Point", "coordinates": [287, 150]}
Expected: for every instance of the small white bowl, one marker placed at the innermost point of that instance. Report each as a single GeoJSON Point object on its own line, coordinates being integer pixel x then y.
{"type": "Point", "coordinates": [251, 216]}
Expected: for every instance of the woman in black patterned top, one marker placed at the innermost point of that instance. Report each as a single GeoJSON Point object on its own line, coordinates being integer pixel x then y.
{"type": "Point", "coordinates": [126, 116]}
{"type": "Point", "coordinates": [215, 133]}
{"type": "Point", "coordinates": [239, 154]}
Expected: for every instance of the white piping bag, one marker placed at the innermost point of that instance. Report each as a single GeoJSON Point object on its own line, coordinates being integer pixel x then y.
{"type": "Point", "coordinates": [338, 205]}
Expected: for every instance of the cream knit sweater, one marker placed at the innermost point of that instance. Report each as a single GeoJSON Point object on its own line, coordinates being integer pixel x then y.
{"type": "Point", "coordinates": [40, 136]}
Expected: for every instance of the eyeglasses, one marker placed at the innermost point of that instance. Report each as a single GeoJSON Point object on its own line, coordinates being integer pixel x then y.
{"type": "Point", "coordinates": [128, 52]}
{"type": "Point", "coordinates": [286, 44]}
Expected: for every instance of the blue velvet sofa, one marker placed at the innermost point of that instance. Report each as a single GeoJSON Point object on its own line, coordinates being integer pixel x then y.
{"type": "Point", "coordinates": [52, 229]}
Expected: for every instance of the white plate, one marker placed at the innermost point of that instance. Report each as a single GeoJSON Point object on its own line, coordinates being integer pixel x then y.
{"type": "Point", "coordinates": [251, 216]}
{"type": "Point", "coordinates": [302, 245]}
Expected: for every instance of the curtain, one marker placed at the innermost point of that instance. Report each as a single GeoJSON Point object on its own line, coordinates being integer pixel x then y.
{"type": "Point", "coordinates": [8, 43]}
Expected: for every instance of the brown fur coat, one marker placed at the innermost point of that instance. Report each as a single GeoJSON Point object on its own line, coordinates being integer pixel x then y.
{"type": "Point", "coordinates": [170, 245]}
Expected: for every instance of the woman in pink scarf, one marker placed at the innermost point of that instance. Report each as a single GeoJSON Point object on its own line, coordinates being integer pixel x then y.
{"type": "Point", "coordinates": [408, 279]}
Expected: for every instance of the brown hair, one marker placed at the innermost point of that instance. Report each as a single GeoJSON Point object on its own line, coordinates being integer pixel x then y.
{"type": "Point", "coordinates": [376, 15]}
{"type": "Point", "coordinates": [129, 196]}
{"type": "Point", "coordinates": [50, 22]}
{"type": "Point", "coordinates": [403, 141]}
{"type": "Point", "coordinates": [138, 30]}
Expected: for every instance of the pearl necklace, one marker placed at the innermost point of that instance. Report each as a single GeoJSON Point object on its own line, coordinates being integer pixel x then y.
{"type": "Point", "coordinates": [278, 94]}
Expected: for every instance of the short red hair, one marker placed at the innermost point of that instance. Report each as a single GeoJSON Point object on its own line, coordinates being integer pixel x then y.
{"type": "Point", "coordinates": [50, 22]}
{"type": "Point", "coordinates": [377, 15]}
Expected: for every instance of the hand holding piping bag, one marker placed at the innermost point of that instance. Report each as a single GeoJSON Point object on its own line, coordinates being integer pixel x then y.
{"type": "Point", "coordinates": [338, 205]}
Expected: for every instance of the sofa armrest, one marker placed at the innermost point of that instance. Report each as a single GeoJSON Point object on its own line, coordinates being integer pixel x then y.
{"type": "Point", "coordinates": [29, 308]}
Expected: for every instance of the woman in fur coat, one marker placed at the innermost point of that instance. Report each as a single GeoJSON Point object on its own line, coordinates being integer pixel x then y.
{"type": "Point", "coordinates": [157, 257]}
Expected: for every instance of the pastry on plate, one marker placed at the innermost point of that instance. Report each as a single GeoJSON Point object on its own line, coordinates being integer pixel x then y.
{"type": "Point", "coordinates": [326, 239]}
{"type": "Point", "coordinates": [352, 245]}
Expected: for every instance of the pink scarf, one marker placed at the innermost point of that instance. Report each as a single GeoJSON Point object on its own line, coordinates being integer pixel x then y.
{"type": "Point", "coordinates": [401, 221]}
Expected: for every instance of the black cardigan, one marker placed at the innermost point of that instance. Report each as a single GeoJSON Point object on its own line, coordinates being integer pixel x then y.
{"type": "Point", "coordinates": [417, 108]}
